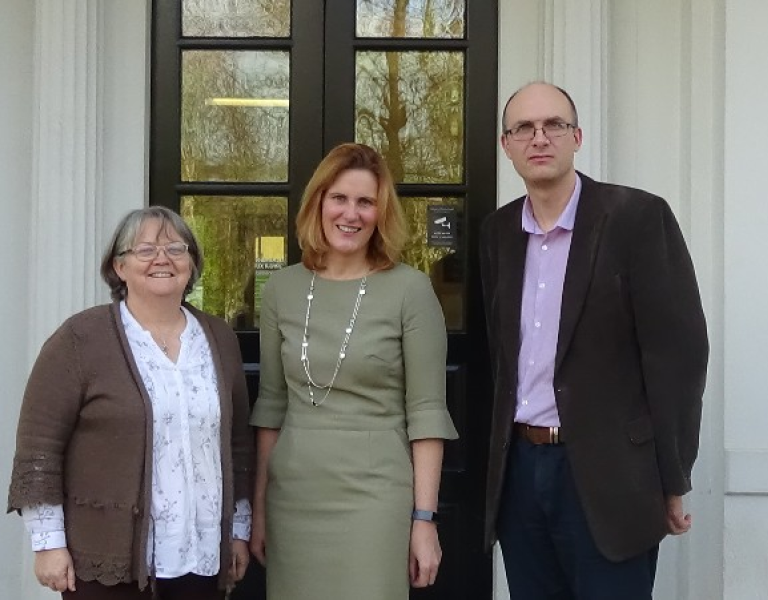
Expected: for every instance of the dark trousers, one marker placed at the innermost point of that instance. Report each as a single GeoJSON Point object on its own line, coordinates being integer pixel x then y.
{"type": "Point", "coordinates": [548, 550]}
{"type": "Point", "coordinates": [187, 587]}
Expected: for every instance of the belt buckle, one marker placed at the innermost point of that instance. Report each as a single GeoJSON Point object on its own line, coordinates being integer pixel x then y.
{"type": "Point", "coordinates": [554, 435]}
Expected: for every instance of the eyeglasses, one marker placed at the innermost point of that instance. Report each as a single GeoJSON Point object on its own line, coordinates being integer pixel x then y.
{"type": "Point", "coordinates": [525, 132]}
{"type": "Point", "coordinates": [146, 252]}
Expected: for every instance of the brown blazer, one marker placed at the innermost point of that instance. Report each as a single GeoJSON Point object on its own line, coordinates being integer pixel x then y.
{"type": "Point", "coordinates": [630, 366]}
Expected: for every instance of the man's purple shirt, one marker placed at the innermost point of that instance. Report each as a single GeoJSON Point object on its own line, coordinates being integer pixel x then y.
{"type": "Point", "coordinates": [545, 263]}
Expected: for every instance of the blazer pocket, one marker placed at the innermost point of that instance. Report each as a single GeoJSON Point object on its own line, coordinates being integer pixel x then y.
{"type": "Point", "coordinates": [640, 430]}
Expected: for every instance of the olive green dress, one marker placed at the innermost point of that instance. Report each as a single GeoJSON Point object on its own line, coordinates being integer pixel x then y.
{"type": "Point", "coordinates": [340, 478]}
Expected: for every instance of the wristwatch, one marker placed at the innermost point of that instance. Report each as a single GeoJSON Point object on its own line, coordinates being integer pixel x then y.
{"type": "Point", "coordinates": [425, 515]}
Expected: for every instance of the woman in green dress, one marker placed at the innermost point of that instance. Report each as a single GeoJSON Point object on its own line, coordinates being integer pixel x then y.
{"type": "Point", "coordinates": [351, 413]}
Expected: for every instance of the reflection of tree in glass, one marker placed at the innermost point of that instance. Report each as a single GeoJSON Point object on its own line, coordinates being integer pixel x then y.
{"type": "Point", "coordinates": [234, 142]}
{"type": "Point", "coordinates": [410, 105]}
{"type": "Point", "coordinates": [236, 18]}
{"type": "Point", "coordinates": [229, 229]}
{"type": "Point", "coordinates": [420, 18]}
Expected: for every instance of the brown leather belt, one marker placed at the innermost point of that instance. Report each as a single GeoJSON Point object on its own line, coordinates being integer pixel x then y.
{"type": "Point", "coordinates": [538, 435]}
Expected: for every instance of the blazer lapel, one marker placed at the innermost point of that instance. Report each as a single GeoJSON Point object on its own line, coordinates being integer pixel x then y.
{"type": "Point", "coordinates": [590, 217]}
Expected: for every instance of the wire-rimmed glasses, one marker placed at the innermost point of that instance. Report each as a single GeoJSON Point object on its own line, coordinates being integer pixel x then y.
{"type": "Point", "coordinates": [146, 251]}
{"type": "Point", "coordinates": [525, 132]}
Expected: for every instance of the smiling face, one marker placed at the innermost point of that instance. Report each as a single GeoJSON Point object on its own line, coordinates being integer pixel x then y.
{"type": "Point", "coordinates": [541, 160]}
{"type": "Point", "coordinates": [350, 214]}
{"type": "Point", "coordinates": [161, 277]}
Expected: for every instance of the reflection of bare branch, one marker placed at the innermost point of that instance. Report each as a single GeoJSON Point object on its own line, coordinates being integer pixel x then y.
{"type": "Point", "coordinates": [234, 143]}
{"type": "Point", "coordinates": [429, 19]}
{"type": "Point", "coordinates": [424, 18]}
{"type": "Point", "coordinates": [430, 131]}
{"type": "Point", "coordinates": [396, 118]}
{"type": "Point", "coordinates": [236, 18]}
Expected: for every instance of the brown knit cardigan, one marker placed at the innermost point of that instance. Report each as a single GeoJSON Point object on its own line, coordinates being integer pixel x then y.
{"type": "Point", "coordinates": [84, 440]}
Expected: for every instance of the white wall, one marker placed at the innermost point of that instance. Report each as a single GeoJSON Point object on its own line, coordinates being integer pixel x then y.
{"type": "Point", "coordinates": [746, 301]}
{"type": "Point", "coordinates": [16, 73]}
{"type": "Point", "coordinates": [124, 112]}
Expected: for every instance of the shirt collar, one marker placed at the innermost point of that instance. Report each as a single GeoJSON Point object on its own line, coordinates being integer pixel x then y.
{"type": "Point", "coordinates": [129, 321]}
{"type": "Point", "coordinates": [567, 217]}
{"type": "Point", "coordinates": [131, 324]}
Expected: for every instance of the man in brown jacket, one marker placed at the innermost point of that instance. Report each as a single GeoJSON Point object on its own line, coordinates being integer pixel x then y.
{"type": "Point", "coordinates": [599, 351]}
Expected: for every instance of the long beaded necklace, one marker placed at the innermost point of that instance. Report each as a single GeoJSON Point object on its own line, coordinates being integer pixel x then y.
{"type": "Point", "coordinates": [311, 385]}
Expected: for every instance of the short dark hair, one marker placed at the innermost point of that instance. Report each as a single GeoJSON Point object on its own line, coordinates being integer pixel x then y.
{"type": "Point", "coordinates": [125, 235]}
{"type": "Point", "coordinates": [558, 88]}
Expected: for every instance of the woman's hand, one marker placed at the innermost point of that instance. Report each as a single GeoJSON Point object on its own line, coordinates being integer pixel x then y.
{"type": "Point", "coordinates": [259, 536]}
{"type": "Point", "coordinates": [240, 559]}
{"type": "Point", "coordinates": [54, 569]}
{"type": "Point", "coordinates": [265, 441]}
{"type": "Point", "coordinates": [425, 554]}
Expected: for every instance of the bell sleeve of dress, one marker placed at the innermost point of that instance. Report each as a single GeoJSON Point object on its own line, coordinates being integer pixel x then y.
{"type": "Point", "coordinates": [425, 348]}
{"type": "Point", "coordinates": [272, 403]}
{"type": "Point", "coordinates": [49, 413]}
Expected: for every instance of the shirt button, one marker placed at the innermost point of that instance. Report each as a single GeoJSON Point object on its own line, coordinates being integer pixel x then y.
{"type": "Point", "coordinates": [545, 247]}
{"type": "Point", "coordinates": [537, 324]}
{"type": "Point", "coordinates": [530, 362]}
{"type": "Point", "coordinates": [542, 286]}
{"type": "Point", "coordinates": [525, 402]}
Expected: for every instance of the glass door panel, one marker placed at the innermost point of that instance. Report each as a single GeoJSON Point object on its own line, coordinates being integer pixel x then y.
{"type": "Point", "coordinates": [236, 18]}
{"type": "Point", "coordinates": [410, 107]}
{"type": "Point", "coordinates": [411, 18]}
{"type": "Point", "coordinates": [244, 239]}
{"type": "Point", "coordinates": [234, 115]}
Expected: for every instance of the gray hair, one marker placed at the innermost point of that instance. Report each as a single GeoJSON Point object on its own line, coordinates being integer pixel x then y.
{"type": "Point", "coordinates": [125, 236]}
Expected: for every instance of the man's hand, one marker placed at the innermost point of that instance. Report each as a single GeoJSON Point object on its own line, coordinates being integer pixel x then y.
{"type": "Point", "coordinates": [54, 569]}
{"type": "Point", "coordinates": [425, 554]}
{"type": "Point", "coordinates": [240, 559]}
{"type": "Point", "coordinates": [678, 521]}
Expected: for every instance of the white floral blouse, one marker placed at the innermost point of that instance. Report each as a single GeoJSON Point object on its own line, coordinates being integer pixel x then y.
{"type": "Point", "coordinates": [186, 475]}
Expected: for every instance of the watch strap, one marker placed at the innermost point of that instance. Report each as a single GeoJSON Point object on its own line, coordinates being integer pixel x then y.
{"type": "Point", "coordinates": [425, 515]}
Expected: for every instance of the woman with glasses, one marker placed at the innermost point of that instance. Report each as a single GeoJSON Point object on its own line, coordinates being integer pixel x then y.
{"type": "Point", "coordinates": [133, 452]}
{"type": "Point", "coordinates": [351, 413]}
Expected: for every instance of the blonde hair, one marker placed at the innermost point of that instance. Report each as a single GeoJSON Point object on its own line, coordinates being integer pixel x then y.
{"type": "Point", "coordinates": [388, 238]}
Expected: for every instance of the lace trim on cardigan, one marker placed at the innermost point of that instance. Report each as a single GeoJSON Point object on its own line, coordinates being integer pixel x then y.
{"type": "Point", "coordinates": [35, 479]}
{"type": "Point", "coordinates": [105, 570]}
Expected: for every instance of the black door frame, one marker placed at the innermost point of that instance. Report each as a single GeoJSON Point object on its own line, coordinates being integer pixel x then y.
{"type": "Point", "coordinates": [330, 116]}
